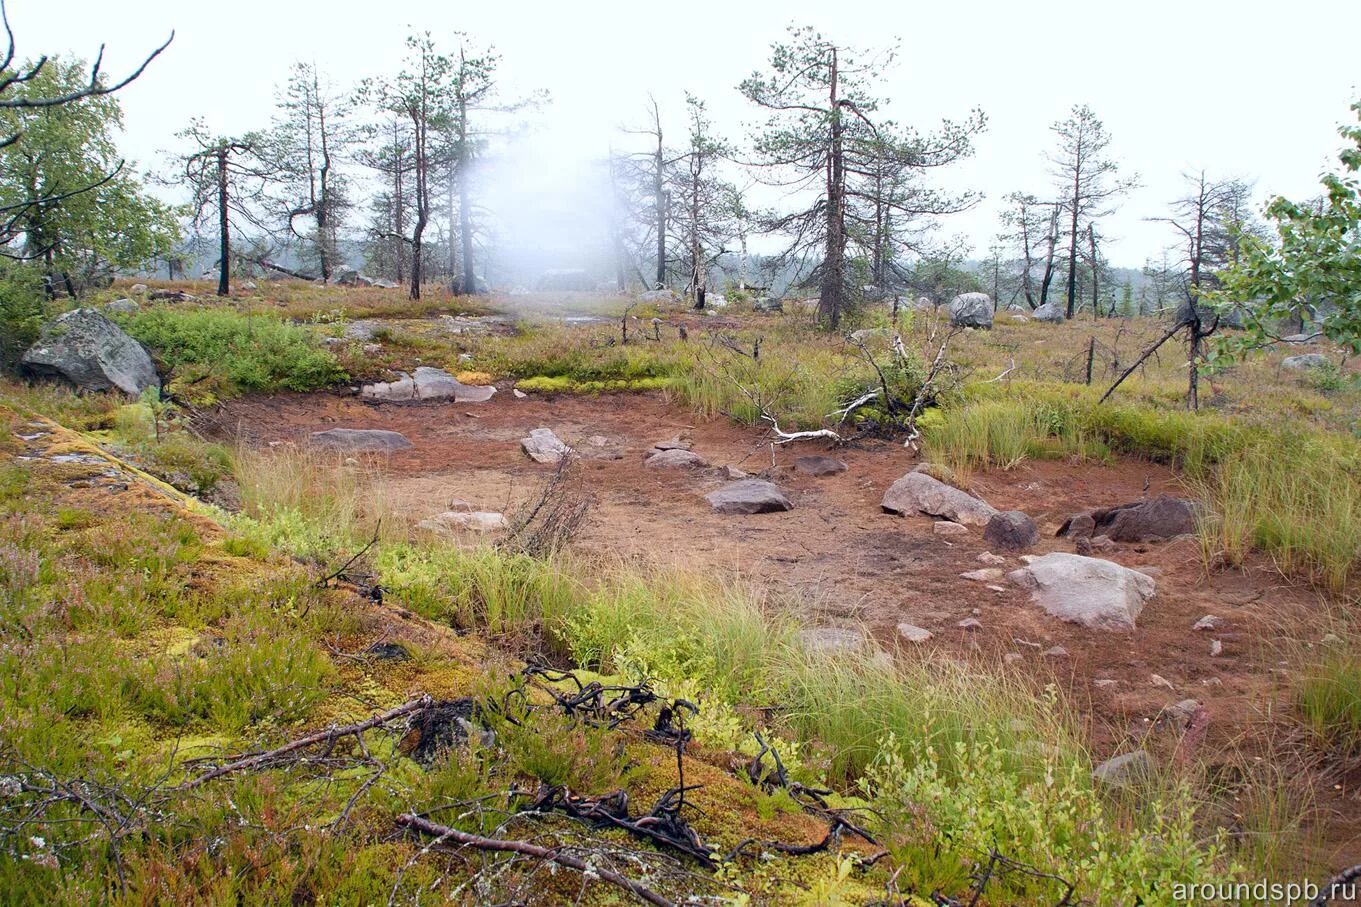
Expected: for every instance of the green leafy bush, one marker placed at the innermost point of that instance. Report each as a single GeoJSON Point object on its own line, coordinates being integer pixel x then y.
{"type": "Point", "coordinates": [222, 353]}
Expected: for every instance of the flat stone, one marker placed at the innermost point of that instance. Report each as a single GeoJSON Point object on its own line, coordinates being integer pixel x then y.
{"type": "Point", "coordinates": [519, 394]}
{"type": "Point", "coordinates": [833, 640]}
{"type": "Point", "coordinates": [543, 446]}
{"type": "Point", "coordinates": [1055, 652]}
{"type": "Point", "coordinates": [676, 443]}
{"type": "Point", "coordinates": [985, 575]}
{"type": "Point", "coordinates": [913, 633]}
{"type": "Point", "coordinates": [360, 439]}
{"type": "Point", "coordinates": [675, 458]}
{"type": "Point", "coordinates": [918, 492]}
{"type": "Point", "coordinates": [465, 521]}
{"type": "Point", "coordinates": [819, 466]}
{"type": "Point", "coordinates": [748, 496]}
{"type": "Point", "coordinates": [1306, 362]}
{"type": "Point", "coordinates": [990, 559]}
{"type": "Point", "coordinates": [1095, 593]}
{"type": "Point", "coordinates": [949, 527]}
{"type": "Point", "coordinates": [970, 623]}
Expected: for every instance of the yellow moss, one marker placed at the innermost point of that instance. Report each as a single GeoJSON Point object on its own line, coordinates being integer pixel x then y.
{"type": "Point", "coordinates": [474, 378]}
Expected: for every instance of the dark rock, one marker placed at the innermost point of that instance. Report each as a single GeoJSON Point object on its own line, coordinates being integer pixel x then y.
{"type": "Point", "coordinates": [443, 726]}
{"type": "Point", "coordinates": [819, 466]}
{"type": "Point", "coordinates": [1163, 517]}
{"type": "Point", "coordinates": [92, 353]}
{"type": "Point", "coordinates": [387, 651]}
{"type": "Point", "coordinates": [1011, 529]}
{"type": "Point", "coordinates": [748, 496]}
{"type": "Point", "coordinates": [355, 439]}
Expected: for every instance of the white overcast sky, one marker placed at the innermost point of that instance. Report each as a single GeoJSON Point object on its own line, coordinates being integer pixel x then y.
{"type": "Point", "coordinates": [1240, 87]}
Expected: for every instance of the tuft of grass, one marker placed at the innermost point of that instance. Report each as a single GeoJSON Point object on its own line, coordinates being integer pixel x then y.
{"type": "Point", "coordinates": [1328, 693]}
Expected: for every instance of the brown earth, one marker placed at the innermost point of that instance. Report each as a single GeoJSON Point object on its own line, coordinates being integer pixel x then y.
{"type": "Point", "coordinates": [840, 560]}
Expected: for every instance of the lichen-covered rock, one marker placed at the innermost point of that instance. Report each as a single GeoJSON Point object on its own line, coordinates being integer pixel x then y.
{"type": "Point", "coordinates": [971, 310]}
{"type": "Point", "coordinates": [1051, 312]}
{"type": "Point", "coordinates": [360, 439]}
{"type": "Point", "coordinates": [91, 352]}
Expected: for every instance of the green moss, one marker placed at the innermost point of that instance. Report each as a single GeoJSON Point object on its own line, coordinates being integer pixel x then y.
{"type": "Point", "coordinates": [564, 384]}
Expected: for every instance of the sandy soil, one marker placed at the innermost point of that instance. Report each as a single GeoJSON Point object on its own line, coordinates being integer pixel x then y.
{"type": "Point", "coordinates": [841, 560]}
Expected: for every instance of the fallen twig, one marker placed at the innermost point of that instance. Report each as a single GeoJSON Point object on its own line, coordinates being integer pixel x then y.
{"type": "Point", "coordinates": [464, 839]}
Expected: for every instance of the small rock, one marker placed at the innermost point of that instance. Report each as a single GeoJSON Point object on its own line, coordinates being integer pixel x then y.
{"type": "Point", "coordinates": [733, 473]}
{"type": "Point", "coordinates": [675, 443]}
{"type": "Point", "coordinates": [985, 575]}
{"type": "Point", "coordinates": [1127, 770]}
{"type": "Point", "coordinates": [1208, 622]}
{"type": "Point", "coordinates": [123, 306]}
{"type": "Point", "coordinates": [819, 466]}
{"type": "Point", "coordinates": [1162, 517]}
{"type": "Point", "coordinates": [387, 651]}
{"type": "Point", "coordinates": [519, 394]}
{"type": "Point", "coordinates": [913, 633]}
{"type": "Point", "coordinates": [1104, 682]}
{"type": "Point", "coordinates": [748, 496]}
{"type": "Point", "coordinates": [675, 458]}
{"type": "Point", "coordinates": [1216, 648]}
{"type": "Point", "coordinates": [372, 349]}
{"type": "Point", "coordinates": [947, 527]}
{"type": "Point", "coordinates": [1011, 657]}
{"type": "Point", "coordinates": [970, 623]}
{"type": "Point", "coordinates": [543, 446]}
{"type": "Point", "coordinates": [832, 640]}
{"type": "Point", "coordinates": [992, 560]}
{"type": "Point", "coordinates": [1179, 714]}
{"type": "Point", "coordinates": [138, 289]}
{"type": "Point", "coordinates": [426, 384]}
{"type": "Point", "coordinates": [1055, 652]}
{"type": "Point", "coordinates": [1012, 530]}
{"type": "Point", "coordinates": [1306, 362]}
{"type": "Point", "coordinates": [1097, 544]}
{"type": "Point", "coordinates": [1160, 681]}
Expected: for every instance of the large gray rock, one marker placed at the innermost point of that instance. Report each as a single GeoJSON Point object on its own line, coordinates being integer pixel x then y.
{"type": "Point", "coordinates": [543, 446]}
{"type": "Point", "coordinates": [971, 310]}
{"type": "Point", "coordinates": [748, 496]}
{"type": "Point", "coordinates": [1127, 770]}
{"type": "Point", "coordinates": [1098, 594]}
{"type": "Point", "coordinates": [1307, 362]}
{"type": "Point", "coordinates": [657, 296]}
{"type": "Point", "coordinates": [124, 306]}
{"type": "Point", "coordinates": [1162, 517]}
{"type": "Point", "coordinates": [1050, 311]}
{"type": "Point", "coordinates": [360, 439]}
{"type": "Point", "coordinates": [92, 353]}
{"type": "Point", "coordinates": [426, 384]}
{"type": "Point", "coordinates": [918, 492]}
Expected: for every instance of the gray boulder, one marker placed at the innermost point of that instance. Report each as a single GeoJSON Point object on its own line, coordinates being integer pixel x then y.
{"type": "Point", "coordinates": [1163, 517]}
{"type": "Point", "coordinates": [748, 496]}
{"type": "Point", "coordinates": [971, 310]}
{"type": "Point", "coordinates": [1050, 312]}
{"type": "Point", "coordinates": [1307, 362]}
{"type": "Point", "coordinates": [91, 352]}
{"type": "Point", "coordinates": [1011, 529]}
{"type": "Point", "coordinates": [426, 384]}
{"type": "Point", "coordinates": [543, 446]}
{"type": "Point", "coordinates": [123, 306]}
{"type": "Point", "coordinates": [833, 640]}
{"type": "Point", "coordinates": [1098, 594]}
{"type": "Point", "coordinates": [820, 466]}
{"type": "Point", "coordinates": [465, 521]}
{"type": "Point", "coordinates": [1127, 770]}
{"type": "Point", "coordinates": [768, 304]}
{"type": "Point", "coordinates": [918, 492]}
{"type": "Point", "coordinates": [675, 458]}
{"type": "Point", "coordinates": [657, 296]}
{"type": "Point", "coordinates": [360, 439]}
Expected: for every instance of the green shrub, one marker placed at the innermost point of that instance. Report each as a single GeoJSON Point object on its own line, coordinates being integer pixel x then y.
{"type": "Point", "coordinates": [213, 352]}
{"type": "Point", "coordinates": [22, 312]}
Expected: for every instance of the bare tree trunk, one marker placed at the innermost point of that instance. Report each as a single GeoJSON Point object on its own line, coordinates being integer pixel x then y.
{"type": "Point", "coordinates": [659, 202]}
{"type": "Point", "coordinates": [1091, 245]}
{"type": "Point", "coordinates": [465, 208]}
{"type": "Point", "coordinates": [832, 301]}
{"type": "Point", "coordinates": [1072, 243]}
{"type": "Point", "coordinates": [224, 242]}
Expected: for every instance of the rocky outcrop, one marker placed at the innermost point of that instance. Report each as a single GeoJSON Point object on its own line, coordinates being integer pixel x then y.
{"type": "Point", "coordinates": [748, 496]}
{"type": "Point", "coordinates": [971, 310]}
{"type": "Point", "coordinates": [426, 384]}
{"type": "Point", "coordinates": [360, 439]}
{"type": "Point", "coordinates": [1163, 517]}
{"type": "Point", "coordinates": [918, 492]}
{"type": "Point", "coordinates": [90, 351]}
{"type": "Point", "coordinates": [1098, 594]}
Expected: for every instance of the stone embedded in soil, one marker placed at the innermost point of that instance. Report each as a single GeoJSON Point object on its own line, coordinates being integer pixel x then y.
{"type": "Point", "coordinates": [1216, 648]}
{"type": "Point", "coordinates": [675, 458]}
{"type": "Point", "coordinates": [1163, 517]}
{"type": "Point", "coordinates": [970, 623]}
{"type": "Point", "coordinates": [820, 466]}
{"type": "Point", "coordinates": [426, 384]}
{"type": "Point", "coordinates": [1126, 770]}
{"type": "Point", "coordinates": [733, 473]}
{"type": "Point", "coordinates": [387, 651]}
{"type": "Point", "coordinates": [832, 640]}
{"type": "Point", "coordinates": [918, 492]}
{"type": "Point", "coordinates": [1012, 530]}
{"type": "Point", "coordinates": [1208, 622]}
{"type": "Point", "coordinates": [989, 559]}
{"type": "Point", "coordinates": [913, 633]}
{"type": "Point", "coordinates": [462, 520]}
{"type": "Point", "coordinates": [748, 496]}
{"type": "Point", "coordinates": [354, 439]}
{"type": "Point", "coordinates": [1055, 652]}
{"type": "Point", "coordinates": [519, 394]}
{"type": "Point", "coordinates": [676, 443]}
{"type": "Point", "coordinates": [948, 527]}
{"type": "Point", "coordinates": [543, 446]}
{"type": "Point", "coordinates": [1097, 544]}
{"type": "Point", "coordinates": [1305, 362]}
{"type": "Point", "coordinates": [1180, 714]}
{"type": "Point", "coordinates": [984, 575]}
{"type": "Point", "coordinates": [1098, 594]}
